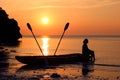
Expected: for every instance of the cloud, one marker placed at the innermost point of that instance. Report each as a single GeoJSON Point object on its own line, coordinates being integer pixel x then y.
{"type": "Point", "coordinates": [34, 4]}
{"type": "Point", "coordinates": [72, 3]}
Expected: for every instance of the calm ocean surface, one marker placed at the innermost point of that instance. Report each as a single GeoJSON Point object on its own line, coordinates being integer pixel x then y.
{"type": "Point", "coordinates": [107, 50]}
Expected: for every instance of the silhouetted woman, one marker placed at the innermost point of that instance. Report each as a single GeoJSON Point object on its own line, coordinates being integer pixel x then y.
{"type": "Point", "coordinates": [87, 53]}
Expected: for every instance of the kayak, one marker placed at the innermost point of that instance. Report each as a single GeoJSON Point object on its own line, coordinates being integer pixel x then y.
{"type": "Point", "coordinates": [57, 59]}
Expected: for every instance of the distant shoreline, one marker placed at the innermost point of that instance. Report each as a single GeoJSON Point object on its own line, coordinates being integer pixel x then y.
{"type": "Point", "coordinates": [78, 36]}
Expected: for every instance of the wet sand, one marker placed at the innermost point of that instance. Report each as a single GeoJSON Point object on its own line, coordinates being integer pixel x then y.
{"type": "Point", "coordinates": [13, 70]}
{"type": "Point", "coordinates": [59, 74]}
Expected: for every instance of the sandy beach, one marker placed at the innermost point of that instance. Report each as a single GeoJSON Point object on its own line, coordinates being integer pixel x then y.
{"type": "Point", "coordinates": [59, 73]}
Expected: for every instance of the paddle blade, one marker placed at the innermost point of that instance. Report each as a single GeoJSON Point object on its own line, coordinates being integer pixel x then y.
{"type": "Point", "coordinates": [66, 26]}
{"type": "Point", "coordinates": [29, 26]}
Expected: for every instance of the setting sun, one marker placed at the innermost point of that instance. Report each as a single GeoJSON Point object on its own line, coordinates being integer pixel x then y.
{"type": "Point", "coordinates": [45, 20]}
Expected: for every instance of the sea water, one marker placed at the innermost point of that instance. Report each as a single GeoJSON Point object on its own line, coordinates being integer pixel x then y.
{"type": "Point", "coordinates": [107, 50]}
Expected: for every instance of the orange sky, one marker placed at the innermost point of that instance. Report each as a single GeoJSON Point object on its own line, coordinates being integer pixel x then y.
{"type": "Point", "coordinates": [86, 17]}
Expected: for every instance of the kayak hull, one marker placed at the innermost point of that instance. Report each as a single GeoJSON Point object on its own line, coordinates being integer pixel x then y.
{"type": "Point", "coordinates": [58, 59]}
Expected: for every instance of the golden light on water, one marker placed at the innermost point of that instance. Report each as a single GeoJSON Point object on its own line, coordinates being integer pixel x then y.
{"type": "Point", "coordinates": [45, 46]}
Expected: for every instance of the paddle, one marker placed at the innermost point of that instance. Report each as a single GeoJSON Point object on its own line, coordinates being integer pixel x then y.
{"type": "Point", "coordinates": [65, 28]}
{"type": "Point", "coordinates": [30, 28]}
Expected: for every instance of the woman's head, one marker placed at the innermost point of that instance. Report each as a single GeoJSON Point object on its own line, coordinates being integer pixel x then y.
{"type": "Point", "coordinates": [85, 41]}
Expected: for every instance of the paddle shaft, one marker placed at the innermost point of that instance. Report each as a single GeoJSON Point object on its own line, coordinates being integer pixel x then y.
{"type": "Point", "coordinates": [37, 42]}
{"type": "Point", "coordinates": [65, 28]}
{"type": "Point", "coordinates": [59, 43]}
{"type": "Point", "coordinates": [30, 28]}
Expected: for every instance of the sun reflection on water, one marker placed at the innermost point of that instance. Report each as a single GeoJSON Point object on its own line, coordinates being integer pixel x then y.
{"type": "Point", "coordinates": [45, 45]}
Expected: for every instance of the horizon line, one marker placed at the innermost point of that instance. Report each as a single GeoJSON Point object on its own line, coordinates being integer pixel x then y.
{"type": "Point", "coordinates": [73, 35]}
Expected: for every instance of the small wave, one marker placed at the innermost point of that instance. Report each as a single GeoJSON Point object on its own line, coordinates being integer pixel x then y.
{"type": "Point", "coordinates": [111, 65]}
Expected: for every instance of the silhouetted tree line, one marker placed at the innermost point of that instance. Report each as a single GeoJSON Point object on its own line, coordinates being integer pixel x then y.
{"type": "Point", "coordinates": [9, 29]}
